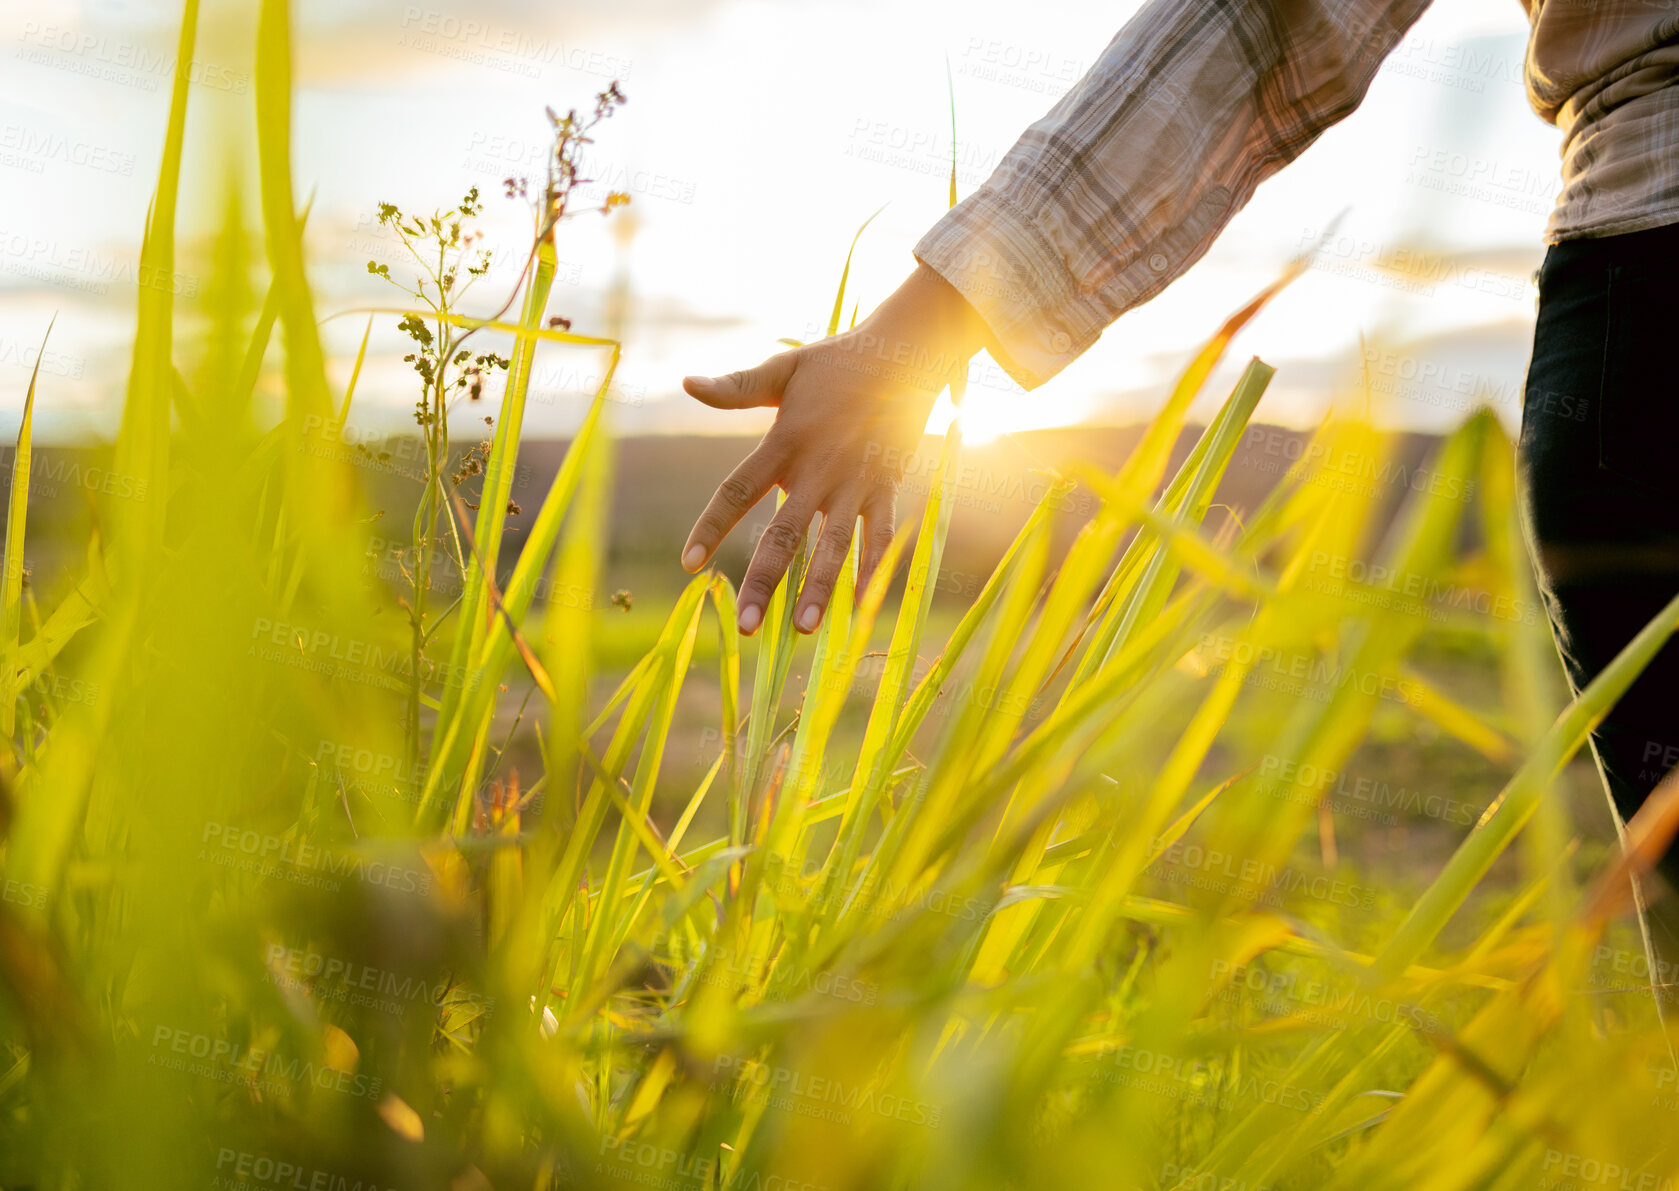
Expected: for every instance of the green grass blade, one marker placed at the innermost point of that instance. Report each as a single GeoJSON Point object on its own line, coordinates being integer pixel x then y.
{"type": "Point", "coordinates": [142, 446]}
{"type": "Point", "coordinates": [502, 465]}
{"type": "Point", "coordinates": [17, 517]}
{"type": "Point", "coordinates": [845, 274]}
{"type": "Point", "coordinates": [1517, 802]}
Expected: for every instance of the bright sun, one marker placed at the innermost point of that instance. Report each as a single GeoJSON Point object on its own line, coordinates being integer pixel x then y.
{"type": "Point", "coordinates": [988, 413]}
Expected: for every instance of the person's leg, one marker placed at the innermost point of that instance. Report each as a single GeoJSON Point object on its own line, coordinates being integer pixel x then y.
{"type": "Point", "coordinates": [1599, 460]}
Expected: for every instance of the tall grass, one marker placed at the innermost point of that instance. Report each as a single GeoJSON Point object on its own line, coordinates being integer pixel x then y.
{"type": "Point", "coordinates": [1065, 910]}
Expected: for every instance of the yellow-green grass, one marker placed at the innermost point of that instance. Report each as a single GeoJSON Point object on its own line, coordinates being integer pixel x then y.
{"type": "Point", "coordinates": [873, 939]}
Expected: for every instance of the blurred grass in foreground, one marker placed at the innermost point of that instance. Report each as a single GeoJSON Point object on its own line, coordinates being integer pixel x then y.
{"type": "Point", "coordinates": [1086, 926]}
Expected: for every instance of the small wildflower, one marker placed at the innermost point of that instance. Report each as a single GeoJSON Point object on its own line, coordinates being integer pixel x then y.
{"type": "Point", "coordinates": [449, 248]}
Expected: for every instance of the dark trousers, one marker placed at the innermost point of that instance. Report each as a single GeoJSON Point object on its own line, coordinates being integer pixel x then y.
{"type": "Point", "coordinates": [1599, 458]}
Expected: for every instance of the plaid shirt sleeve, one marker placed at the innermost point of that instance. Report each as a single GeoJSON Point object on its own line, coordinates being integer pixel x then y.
{"type": "Point", "coordinates": [1128, 179]}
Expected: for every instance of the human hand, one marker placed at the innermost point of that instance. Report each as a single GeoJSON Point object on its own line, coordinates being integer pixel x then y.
{"type": "Point", "coordinates": [851, 410]}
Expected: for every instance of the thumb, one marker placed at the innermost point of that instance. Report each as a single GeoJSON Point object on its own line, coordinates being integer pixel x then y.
{"type": "Point", "coordinates": [744, 390]}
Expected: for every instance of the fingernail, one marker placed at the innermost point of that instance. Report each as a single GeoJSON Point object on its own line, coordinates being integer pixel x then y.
{"type": "Point", "coordinates": [810, 617]}
{"type": "Point", "coordinates": [749, 617]}
{"type": "Point", "coordinates": [696, 380]}
{"type": "Point", "coordinates": [694, 556]}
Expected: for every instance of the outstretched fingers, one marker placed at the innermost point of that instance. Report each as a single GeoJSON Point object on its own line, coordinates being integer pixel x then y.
{"type": "Point", "coordinates": [744, 487]}
{"type": "Point", "coordinates": [880, 522]}
{"type": "Point", "coordinates": [776, 548]}
{"type": "Point", "coordinates": [833, 549]}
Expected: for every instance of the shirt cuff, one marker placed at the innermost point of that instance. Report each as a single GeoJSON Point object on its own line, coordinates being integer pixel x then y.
{"type": "Point", "coordinates": [1041, 316]}
{"type": "Point", "coordinates": [997, 258]}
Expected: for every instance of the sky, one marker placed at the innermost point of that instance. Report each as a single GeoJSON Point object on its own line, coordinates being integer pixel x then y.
{"type": "Point", "coordinates": [758, 136]}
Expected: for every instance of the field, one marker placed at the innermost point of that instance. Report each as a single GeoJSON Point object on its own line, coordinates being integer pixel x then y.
{"type": "Point", "coordinates": [1194, 807]}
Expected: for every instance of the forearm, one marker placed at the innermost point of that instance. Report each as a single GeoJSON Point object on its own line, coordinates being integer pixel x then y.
{"type": "Point", "coordinates": [1128, 179]}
